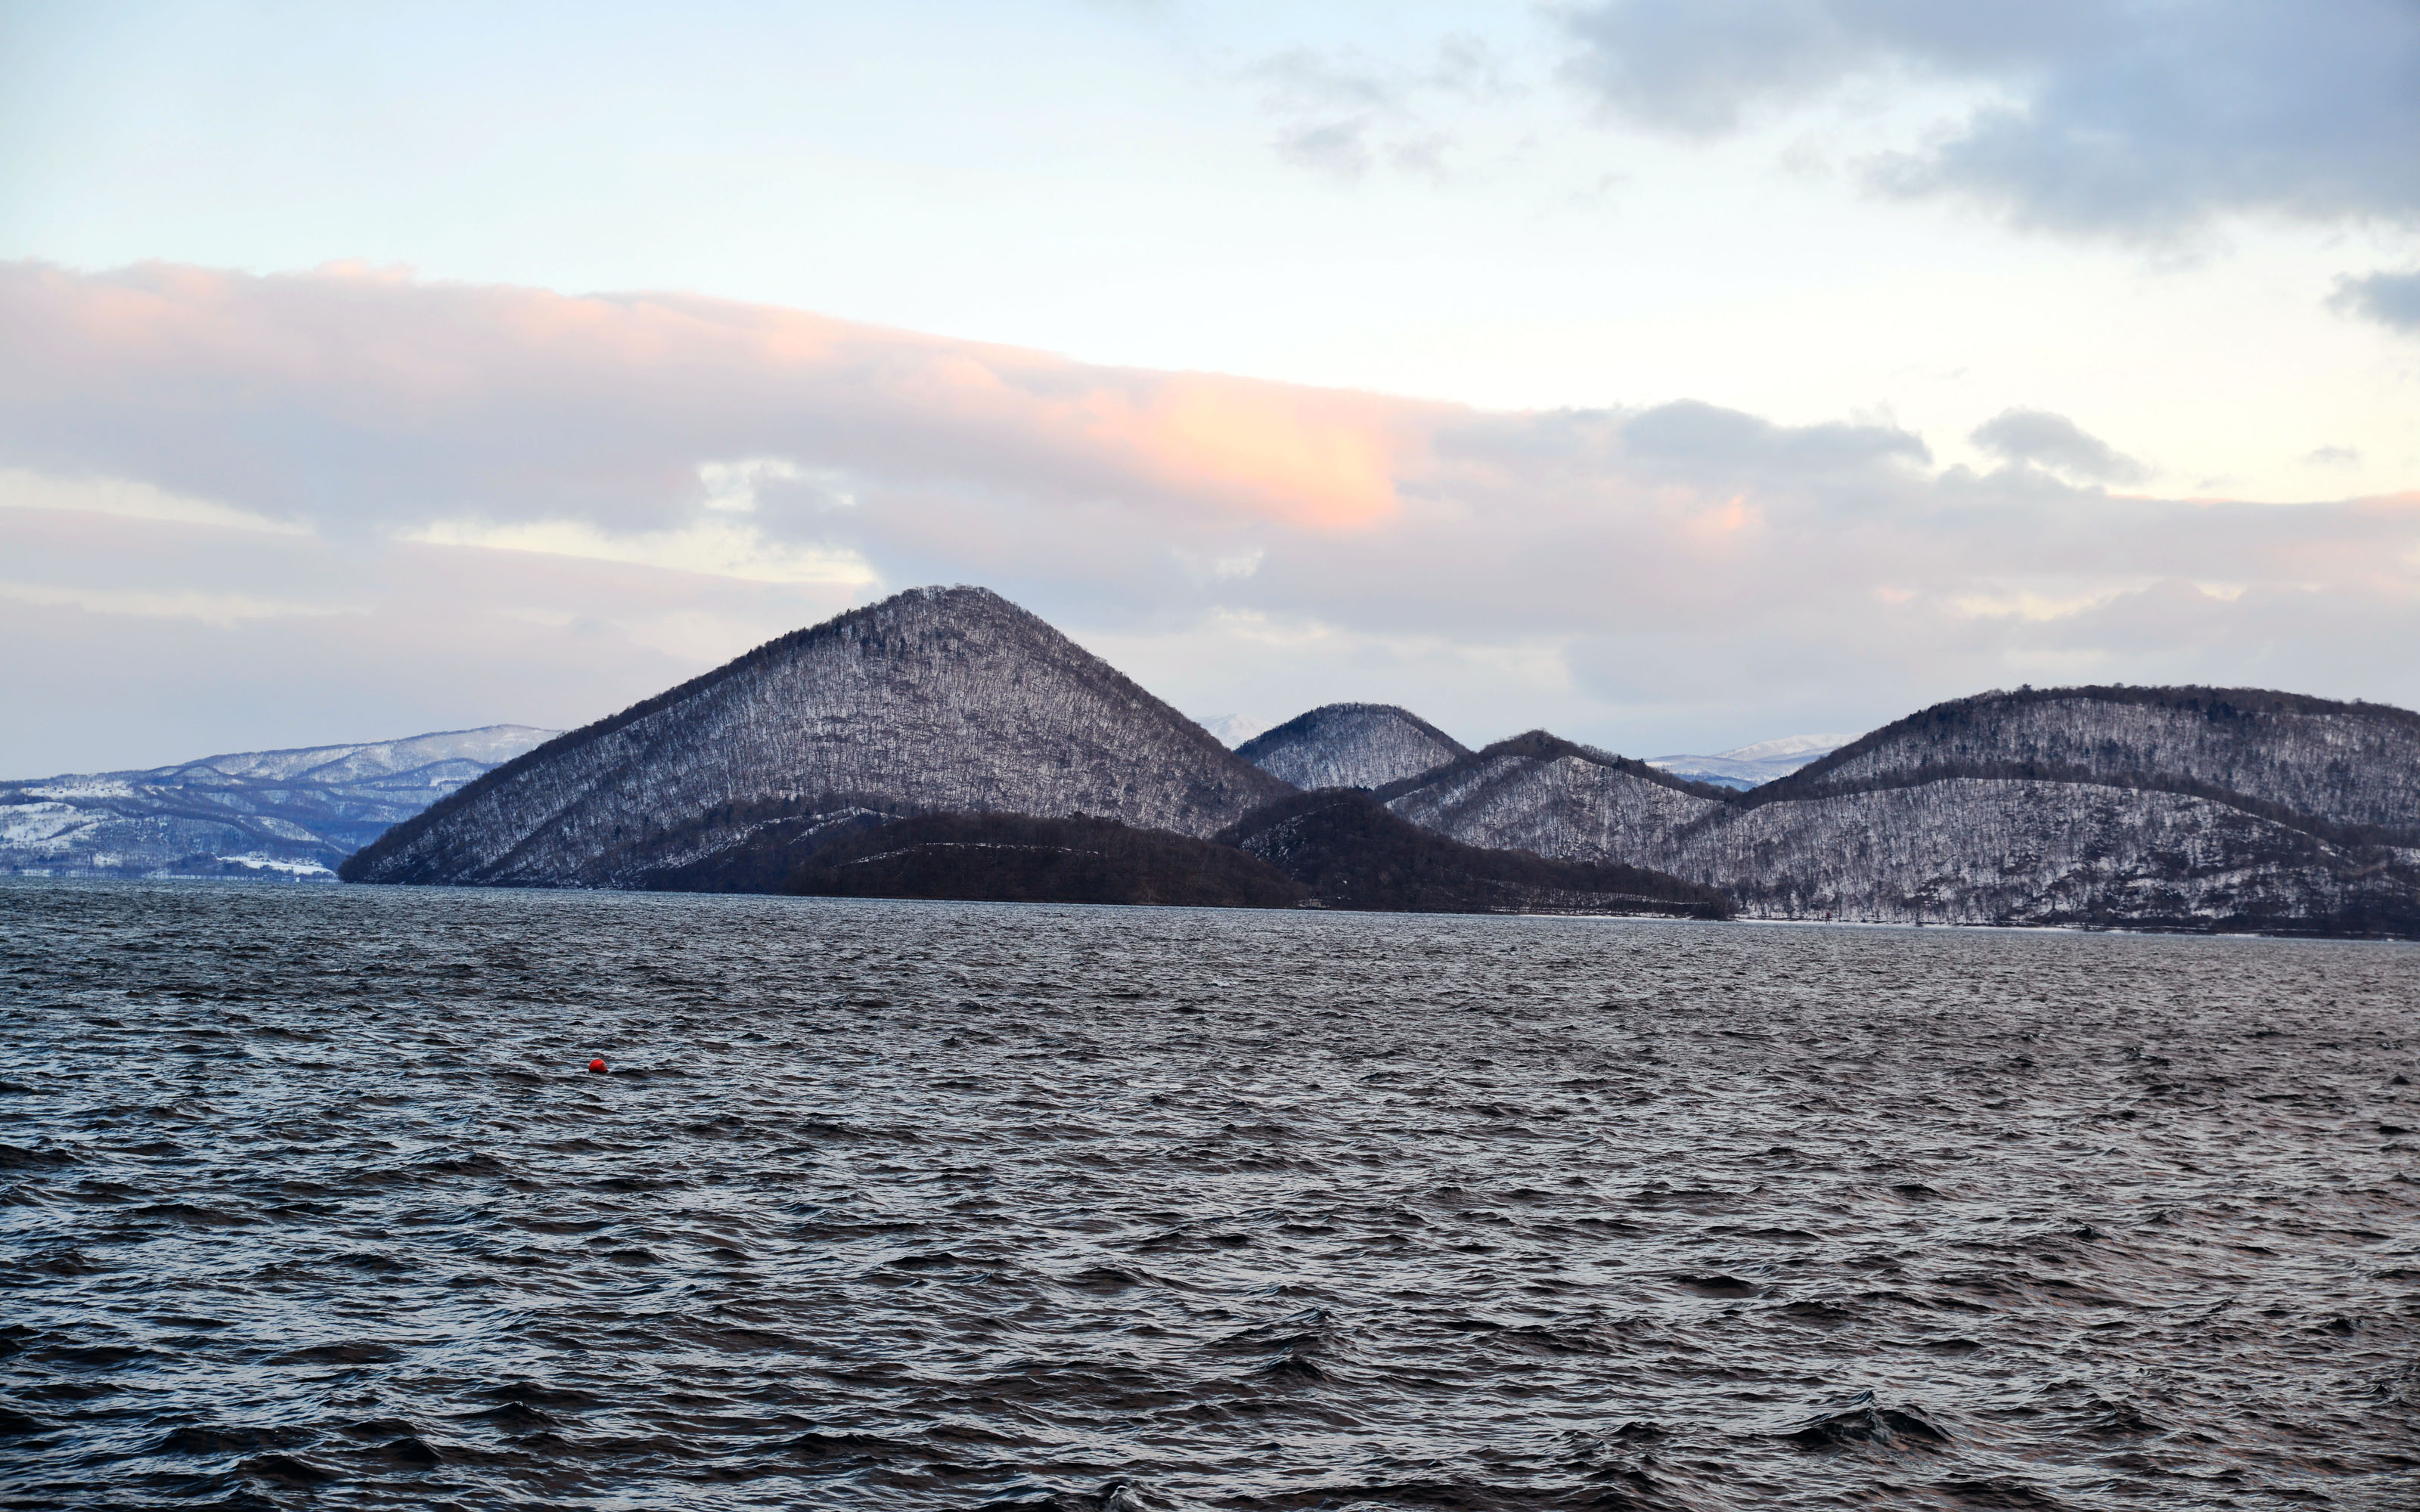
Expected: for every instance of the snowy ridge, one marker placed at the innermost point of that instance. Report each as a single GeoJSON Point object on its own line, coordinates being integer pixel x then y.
{"type": "Point", "coordinates": [934, 701]}
{"type": "Point", "coordinates": [1351, 746]}
{"type": "Point", "coordinates": [286, 812]}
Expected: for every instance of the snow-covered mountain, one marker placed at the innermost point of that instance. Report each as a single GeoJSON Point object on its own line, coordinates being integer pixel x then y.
{"type": "Point", "coordinates": [1753, 766]}
{"type": "Point", "coordinates": [935, 701]}
{"type": "Point", "coordinates": [2175, 806]}
{"type": "Point", "coordinates": [1233, 729]}
{"type": "Point", "coordinates": [1351, 746]}
{"type": "Point", "coordinates": [281, 812]}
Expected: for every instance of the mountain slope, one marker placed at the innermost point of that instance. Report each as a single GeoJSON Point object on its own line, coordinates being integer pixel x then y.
{"type": "Point", "coordinates": [2015, 850]}
{"type": "Point", "coordinates": [1351, 746]}
{"type": "Point", "coordinates": [2071, 806]}
{"type": "Point", "coordinates": [294, 812]}
{"type": "Point", "coordinates": [936, 700]}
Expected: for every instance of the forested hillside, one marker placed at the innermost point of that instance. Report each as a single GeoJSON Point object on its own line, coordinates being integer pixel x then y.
{"type": "Point", "coordinates": [937, 700]}
{"type": "Point", "coordinates": [2185, 808]}
{"type": "Point", "coordinates": [1351, 746]}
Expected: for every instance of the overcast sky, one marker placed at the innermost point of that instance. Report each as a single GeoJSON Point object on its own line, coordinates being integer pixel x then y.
{"type": "Point", "coordinates": [1671, 376]}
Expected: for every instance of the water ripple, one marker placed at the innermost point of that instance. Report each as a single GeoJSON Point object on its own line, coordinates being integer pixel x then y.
{"type": "Point", "coordinates": [310, 1201]}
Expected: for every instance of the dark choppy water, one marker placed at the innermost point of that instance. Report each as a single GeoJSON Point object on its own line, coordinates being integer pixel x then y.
{"type": "Point", "coordinates": [908, 1206]}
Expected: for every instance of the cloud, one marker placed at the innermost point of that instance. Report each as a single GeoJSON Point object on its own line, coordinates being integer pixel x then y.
{"type": "Point", "coordinates": [1706, 442]}
{"type": "Point", "coordinates": [207, 609]}
{"type": "Point", "coordinates": [731, 487]}
{"type": "Point", "coordinates": [2392, 299]}
{"type": "Point", "coordinates": [2105, 116]}
{"type": "Point", "coordinates": [542, 507]}
{"type": "Point", "coordinates": [1341, 149]}
{"type": "Point", "coordinates": [717, 547]}
{"type": "Point", "coordinates": [126, 499]}
{"type": "Point", "coordinates": [164, 643]}
{"type": "Point", "coordinates": [2040, 438]}
{"type": "Point", "coordinates": [1345, 112]}
{"type": "Point", "coordinates": [1704, 70]}
{"type": "Point", "coordinates": [317, 397]}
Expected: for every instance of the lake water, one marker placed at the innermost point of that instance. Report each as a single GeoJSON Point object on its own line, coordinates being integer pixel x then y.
{"type": "Point", "coordinates": [309, 1202]}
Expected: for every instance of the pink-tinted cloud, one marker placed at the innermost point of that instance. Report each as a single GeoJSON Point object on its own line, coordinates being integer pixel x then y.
{"type": "Point", "coordinates": [672, 475]}
{"type": "Point", "coordinates": [600, 405]}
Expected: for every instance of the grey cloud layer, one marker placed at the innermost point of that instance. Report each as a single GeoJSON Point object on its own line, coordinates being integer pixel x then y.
{"type": "Point", "coordinates": [1667, 570]}
{"type": "Point", "coordinates": [2054, 441]}
{"type": "Point", "coordinates": [1700, 69]}
{"type": "Point", "coordinates": [2389, 299]}
{"type": "Point", "coordinates": [2128, 117]}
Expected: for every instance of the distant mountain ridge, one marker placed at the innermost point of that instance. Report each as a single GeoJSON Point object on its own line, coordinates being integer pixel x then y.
{"type": "Point", "coordinates": [937, 700]}
{"type": "Point", "coordinates": [1233, 729]}
{"type": "Point", "coordinates": [1351, 746]}
{"type": "Point", "coordinates": [1751, 765]}
{"type": "Point", "coordinates": [295, 813]}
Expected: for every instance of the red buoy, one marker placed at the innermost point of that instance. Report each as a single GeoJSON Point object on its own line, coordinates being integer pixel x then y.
{"type": "Point", "coordinates": [598, 1065]}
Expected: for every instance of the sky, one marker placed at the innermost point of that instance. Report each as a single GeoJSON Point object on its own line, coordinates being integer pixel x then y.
{"type": "Point", "coordinates": [1667, 376]}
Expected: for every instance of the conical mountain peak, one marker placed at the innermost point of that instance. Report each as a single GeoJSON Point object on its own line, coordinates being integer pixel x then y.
{"type": "Point", "coordinates": [1351, 746]}
{"type": "Point", "coordinates": [935, 699]}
